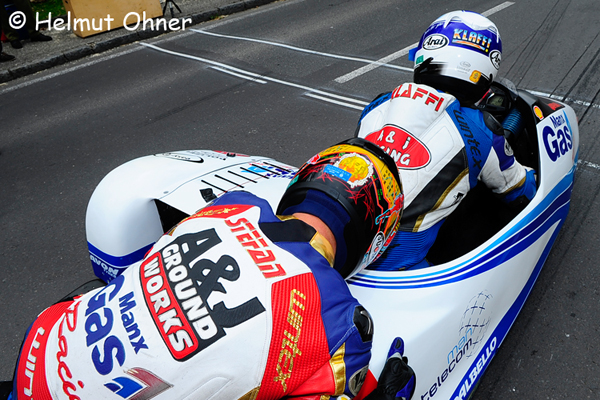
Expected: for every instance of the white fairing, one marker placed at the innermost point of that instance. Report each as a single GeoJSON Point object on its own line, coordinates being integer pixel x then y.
{"type": "Point", "coordinates": [453, 317]}
{"type": "Point", "coordinates": [123, 221]}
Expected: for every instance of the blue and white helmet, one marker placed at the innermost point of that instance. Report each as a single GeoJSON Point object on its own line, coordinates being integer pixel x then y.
{"type": "Point", "coordinates": [460, 54]}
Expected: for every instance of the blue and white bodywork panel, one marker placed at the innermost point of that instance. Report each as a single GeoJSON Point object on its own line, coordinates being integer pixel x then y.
{"type": "Point", "coordinates": [454, 316]}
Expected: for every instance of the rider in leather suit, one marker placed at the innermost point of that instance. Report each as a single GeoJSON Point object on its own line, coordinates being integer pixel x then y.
{"type": "Point", "coordinates": [443, 144]}
{"type": "Point", "coordinates": [235, 302]}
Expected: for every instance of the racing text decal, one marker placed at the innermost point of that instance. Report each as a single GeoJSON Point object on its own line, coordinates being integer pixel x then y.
{"type": "Point", "coordinates": [177, 282]}
{"type": "Point", "coordinates": [406, 90]}
{"type": "Point", "coordinates": [406, 150]}
{"type": "Point", "coordinates": [99, 320]}
{"type": "Point", "coordinates": [257, 247]}
{"type": "Point", "coordinates": [298, 341]}
{"type": "Point", "coordinates": [472, 39]}
{"type": "Point", "coordinates": [557, 138]}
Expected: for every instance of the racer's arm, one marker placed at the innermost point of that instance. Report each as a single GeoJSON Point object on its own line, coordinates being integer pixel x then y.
{"type": "Point", "coordinates": [514, 183]}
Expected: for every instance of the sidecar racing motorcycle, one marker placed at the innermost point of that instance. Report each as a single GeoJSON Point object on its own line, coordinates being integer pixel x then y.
{"type": "Point", "coordinates": [452, 316]}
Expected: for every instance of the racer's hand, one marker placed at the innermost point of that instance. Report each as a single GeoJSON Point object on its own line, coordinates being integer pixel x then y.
{"type": "Point", "coordinates": [397, 380]}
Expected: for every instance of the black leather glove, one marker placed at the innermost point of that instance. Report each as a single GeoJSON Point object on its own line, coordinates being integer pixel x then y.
{"type": "Point", "coordinates": [397, 380]}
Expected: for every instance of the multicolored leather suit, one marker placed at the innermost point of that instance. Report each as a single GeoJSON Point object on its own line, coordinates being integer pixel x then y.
{"type": "Point", "coordinates": [233, 303]}
{"type": "Point", "coordinates": [442, 150]}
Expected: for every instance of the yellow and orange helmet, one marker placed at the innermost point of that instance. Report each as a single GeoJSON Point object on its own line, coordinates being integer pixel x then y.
{"type": "Point", "coordinates": [354, 187]}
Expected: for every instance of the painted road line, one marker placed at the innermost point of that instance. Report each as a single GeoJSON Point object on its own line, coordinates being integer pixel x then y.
{"type": "Point", "coordinates": [250, 78]}
{"type": "Point", "coordinates": [401, 53]}
{"type": "Point", "coordinates": [588, 164]}
{"type": "Point", "coordinates": [565, 99]}
{"type": "Point", "coordinates": [252, 74]}
{"type": "Point", "coordinates": [500, 7]}
{"type": "Point", "coordinates": [303, 50]}
{"type": "Point", "coordinates": [377, 64]}
{"type": "Point", "coordinates": [330, 100]}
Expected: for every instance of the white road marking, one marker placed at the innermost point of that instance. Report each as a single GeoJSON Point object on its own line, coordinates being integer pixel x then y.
{"type": "Point", "coordinates": [360, 108]}
{"type": "Point", "coordinates": [250, 78]}
{"type": "Point", "coordinates": [331, 96]}
{"type": "Point", "coordinates": [497, 8]}
{"type": "Point", "coordinates": [563, 99]}
{"type": "Point", "coordinates": [376, 64]}
{"type": "Point", "coordinates": [367, 68]}
{"type": "Point", "coordinates": [303, 50]}
{"type": "Point", "coordinates": [588, 164]}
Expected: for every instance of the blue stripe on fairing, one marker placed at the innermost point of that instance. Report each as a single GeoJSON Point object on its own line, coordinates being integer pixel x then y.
{"type": "Point", "coordinates": [552, 209]}
{"type": "Point", "coordinates": [504, 326]}
{"type": "Point", "coordinates": [120, 261]}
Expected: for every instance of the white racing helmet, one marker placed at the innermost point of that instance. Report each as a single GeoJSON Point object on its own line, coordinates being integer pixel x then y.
{"type": "Point", "coordinates": [460, 54]}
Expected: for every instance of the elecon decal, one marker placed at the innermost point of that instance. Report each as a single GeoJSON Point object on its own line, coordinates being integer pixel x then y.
{"type": "Point", "coordinates": [473, 327]}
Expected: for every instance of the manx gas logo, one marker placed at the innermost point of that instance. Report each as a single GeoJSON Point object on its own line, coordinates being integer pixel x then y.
{"type": "Point", "coordinates": [406, 150]}
{"type": "Point", "coordinates": [177, 282]}
{"type": "Point", "coordinates": [558, 139]}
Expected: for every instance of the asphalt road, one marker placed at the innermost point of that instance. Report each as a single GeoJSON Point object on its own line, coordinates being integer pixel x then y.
{"type": "Point", "coordinates": [63, 130]}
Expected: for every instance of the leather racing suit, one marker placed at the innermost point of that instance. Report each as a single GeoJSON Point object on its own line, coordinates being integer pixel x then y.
{"type": "Point", "coordinates": [442, 150]}
{"type": "Point", "coordinates": [234, 303]}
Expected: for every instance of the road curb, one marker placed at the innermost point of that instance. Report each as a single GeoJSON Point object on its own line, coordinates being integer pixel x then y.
{"type": "Point", "coordinates": [131, 37]}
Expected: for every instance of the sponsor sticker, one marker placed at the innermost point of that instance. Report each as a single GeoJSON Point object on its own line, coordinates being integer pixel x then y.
{"type": "Point", "coordinates": [406, 150]}
{"type": "Point", "coordinates": [182, 157]}
{"type": "Point", "coordinates": [538, 112]}
{"type": "Point", "coordinates": [495, 58]}
{"type": "Point", "coordinates": [475, 76]}
{"type": "Point", "coordinates": [472, 333]}
{"type": "Point", "coordinates": [258, 248]}
{"type": "Point", "coordinates": [471, 39]}
{"type": "Point", "coordinates": [555, 106]}
{"type": "Point", "coordinates": [410, 91]}
{"type": "Point", "coordinates": [177, 282]}
{"type": "Point", "coordinates": [138, 384]}
{"type": "Point", "coordinates": [435, 41]}
{"type": "Point", "coordinates": [558, 139]}
{"type": "Point", "coordinates": [359, 168]}
{"type": "Point", "coordinates": [337, 172]}
{"type": "Point", "coordinates": [375, 247]}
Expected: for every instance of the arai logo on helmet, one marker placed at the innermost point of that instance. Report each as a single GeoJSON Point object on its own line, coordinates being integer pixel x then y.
{"type": "Point", "coordinates": [495, 58]}
{"type": "Point", "coordinates": [435, 41]}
